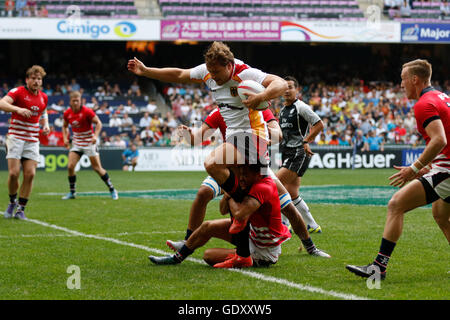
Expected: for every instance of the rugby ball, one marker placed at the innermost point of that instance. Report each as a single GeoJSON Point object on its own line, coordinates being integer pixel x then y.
{"type": "Point", "coordinates": [251, 86]}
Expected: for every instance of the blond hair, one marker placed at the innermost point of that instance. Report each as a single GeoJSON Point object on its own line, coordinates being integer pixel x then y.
{"type": "Point", "coordinates": [35, 70]}
{"type": "Point", "coordinates": [420, 68]}
{"type": "Point", "coordinates": [74, 94]}
{"type": "Point", "coordinates": [219, 53]}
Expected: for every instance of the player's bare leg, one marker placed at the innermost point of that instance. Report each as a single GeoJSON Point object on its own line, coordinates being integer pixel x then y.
{"type": "Point", "coordinates": [198, 208]}
{"type": "Point", "coordinates": [441, 214]}
{"type": "Point", "coordinates": [97, 166]}
{"type": "Point", "coordinates": [29, 172]}
{"type": "Point", "coordinates": [216, 255]}
{"type": "Point", "coordinates": [407, 198]}
{"type": "Point", "coordinates": [292, 182]}
{"type": "Point", "coordinates": [14, 166]}
{"type": "Point", "coordinates": [73, 160]}
{"type": "Point", "coordinates": [220, 159]}
{"type": "Point", "coordinates": [207, 230]}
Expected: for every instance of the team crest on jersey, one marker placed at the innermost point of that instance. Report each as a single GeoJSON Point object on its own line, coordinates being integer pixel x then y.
{"type": "Point", "coordinates": [75, 124]}
{"type": "Point", "coordinates": [234, 91]}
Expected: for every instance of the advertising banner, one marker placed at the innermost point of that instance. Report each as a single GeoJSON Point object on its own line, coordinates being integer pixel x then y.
{"type": "Point", "coordinates": [79, 29]}
{"type": "Point", "coordinates": [225, 30]}
{"type": "Point", "coordinates": [52, 159]}
{"type": "Point", "coordinates": [426, 32]}
{"type": "Point", "coordinates": [340, 31]}
{"type": "Point", "coordinates": [409, 156]}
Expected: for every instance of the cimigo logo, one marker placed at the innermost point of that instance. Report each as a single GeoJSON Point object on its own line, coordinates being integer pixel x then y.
{"type": "Point", "coordinates": [125, 29]}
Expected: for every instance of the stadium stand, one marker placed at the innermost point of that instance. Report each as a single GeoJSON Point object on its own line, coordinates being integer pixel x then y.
{"type": "Point", "coordinates": [262, 9]}
{"type": "Point", "coordinates": [93, 9]}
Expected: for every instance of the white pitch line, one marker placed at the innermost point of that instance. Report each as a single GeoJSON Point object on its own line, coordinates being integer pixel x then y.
{"type": "Point", "coordinates": [51, 235]}
{"type": "Point", "coordinates": [251, 274]}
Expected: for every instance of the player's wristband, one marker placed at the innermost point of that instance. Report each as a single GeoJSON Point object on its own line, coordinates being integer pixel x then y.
{"type": "Point", "coordinates": [44, 116]}
{"type": "Point", "coordinates": [414, 168]}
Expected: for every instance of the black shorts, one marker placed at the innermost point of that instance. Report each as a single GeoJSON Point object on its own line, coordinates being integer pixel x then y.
{"type": "Point", "coordinates": [253, 148]}
{"type": "Point", "coordinates": [296, 160]}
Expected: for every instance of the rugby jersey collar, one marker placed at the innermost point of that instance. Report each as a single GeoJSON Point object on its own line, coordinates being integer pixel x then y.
{"type": "Point", "coordinates": [427, 89]}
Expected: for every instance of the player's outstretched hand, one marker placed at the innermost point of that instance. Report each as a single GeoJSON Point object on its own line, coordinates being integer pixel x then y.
{"type": "Point", "coordinates": [404, 175]}
{"type": "Point", "coordinates": [308, 149]}
{"type": "Point", "coordinates": [136, 66]}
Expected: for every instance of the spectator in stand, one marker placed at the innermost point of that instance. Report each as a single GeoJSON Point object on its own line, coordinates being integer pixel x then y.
{"type": "Point", "coordinates": [43, 12]}
{"type": "Point", "coordinates": [32, 7]}
{"type": "Point", "coordinates": [147, 136]}
{"type": "Point", "coordinates": [135, 90]}
{"type": "Point", "coordinates": [59, 122]}
{"type": "Point", "coordinates": [100, 93]}
{"type": "Point", "coordinates": [151, 107]}
{"type": "Point", "coordinates": [117, 141]}
{"type": "Point", "coordinates": [133, 109]}
{"type": "Point", "coordinates": [115, 121]}
{"type": "Point", "coordinates": [58, 90]}
{"type": "Point", "coordinates": [48, 90]}
{"type": "Point", "coordinates": [334, 140]}
{"type": "Point", "coordinates": [155, 123]}
{"type": "Point", "coordinates": [21, 9]}
{"type": "Point", "coordinates": [116, 91]}
{"type": "Point", "coordinates": [359, 141]}
{"type": "Point", "coordinates": [375, 143]}
{"type": "Point", "coordinates": [93, 104]}
{"type": "Point", "coordinates": [445, 8]}
{"type": "Point", "coordinates": [134, 136]}
{"type": "Point", "coordinates": [104, 139]}
{"type": "Point", "coordinates": [127, 122]}
{"type": "Point", "coordinates": [321, 140]}
{"type": "Point", "coordinates": [171, 122]}
{"type": "Point", "coordinates": [104, 108]}
{"type": "Point", "coordinates": [145, 121]}
{"type": "Point", "coordinates": [74, 85]}
{"type": "Point", "coordinates": [57, 107]}
{"type": "Point", "coordinates": [9, 8]}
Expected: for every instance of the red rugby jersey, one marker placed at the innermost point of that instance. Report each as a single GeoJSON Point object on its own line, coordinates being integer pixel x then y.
{"type": "Point", "coordinates": [81, 123]}
{"type": "Point", "coordinates": [266, 229]}
{"type": "Point", "coordinates": [433, 105]}
{"type": "Point", "coordinates": [27, 128]}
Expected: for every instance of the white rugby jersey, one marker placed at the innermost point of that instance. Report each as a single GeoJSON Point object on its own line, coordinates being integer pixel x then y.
{"type": "Point", "coordinates": [237, 116]}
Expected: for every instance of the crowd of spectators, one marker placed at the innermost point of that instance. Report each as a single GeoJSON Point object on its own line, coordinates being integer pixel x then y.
{"type": "Point", "coordinates": [368, 115]}
{"type": "Point", "coordinates": [23, 8]}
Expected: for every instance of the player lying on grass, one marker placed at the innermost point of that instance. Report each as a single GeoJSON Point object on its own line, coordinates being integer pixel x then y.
{"type": "Point", "coordinates": [210, 188]}
{"type": "Point", "coordinates": [265, 231]}
{"type": "Point", "coordinates": [429, 174]}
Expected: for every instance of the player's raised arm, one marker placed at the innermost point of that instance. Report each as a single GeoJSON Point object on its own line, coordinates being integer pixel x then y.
{"type": "Point", "coordinates": [6, 104]}
{"type": "Point", "coordinates": [162, 74]}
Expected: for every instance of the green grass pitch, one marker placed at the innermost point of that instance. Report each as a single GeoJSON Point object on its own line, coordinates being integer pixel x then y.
{"type": "Point", "coordinates": [109, 241]}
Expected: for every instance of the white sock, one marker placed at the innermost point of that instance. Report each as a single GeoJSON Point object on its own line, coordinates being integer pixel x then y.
{"type": "Point", "coordinates": [302, 207]}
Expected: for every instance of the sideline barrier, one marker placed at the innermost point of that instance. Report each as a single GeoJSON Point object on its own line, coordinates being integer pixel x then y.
{"type": "Point", "coordinates": [192, 159]}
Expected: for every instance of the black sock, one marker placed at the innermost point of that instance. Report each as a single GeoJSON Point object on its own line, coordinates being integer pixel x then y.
{"type": "Point", "coordinates": [22, 204]}
{"type": "Point", "coordinates": [183, 253]}
{"type": "Point", "coordinates": [12, 198]}
{"type": "Point", "coordinates": [386, 249]}
{"type": "Point", "coordinates": [188, 234]}
{"type": "Point", "coordinates": [241, 241]}
{"type": "Point", "coordinates": [72, 183]}
{"type": "Point", "coordinates": [107, 181]}
{"type": "Point", "coordinates": [231, 186]}
{"type": "Point", "coordinates": [309, 245]}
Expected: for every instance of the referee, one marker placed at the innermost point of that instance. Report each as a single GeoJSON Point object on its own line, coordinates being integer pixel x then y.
{"type": "Point", "coordinates": [300, 126]}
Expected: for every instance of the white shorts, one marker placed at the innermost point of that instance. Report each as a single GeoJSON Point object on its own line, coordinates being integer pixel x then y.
{"type": "Point", "coordinates": [269, 255]}
{"type": "Point", "coordinates": [19, 149]}
{"type": "Point", "coordinates": [437, 184]}
{"type": "Point", "coordinates": [90, 150]}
